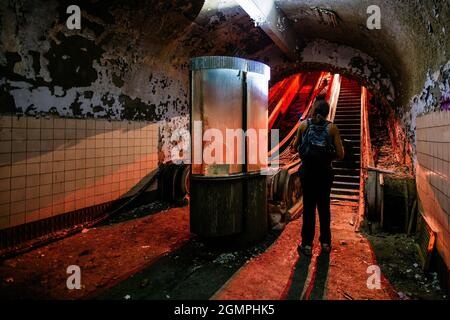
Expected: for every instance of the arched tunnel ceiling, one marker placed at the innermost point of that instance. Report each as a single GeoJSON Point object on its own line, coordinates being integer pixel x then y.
{"type": "Point", "coordinates": [134, 55]}
{"type": "Point", "coordinates": [412, 40]}
{"type": "Point", "coordinates": [130, 60]}
{"type": "Point", "coordinates": [224, 28]}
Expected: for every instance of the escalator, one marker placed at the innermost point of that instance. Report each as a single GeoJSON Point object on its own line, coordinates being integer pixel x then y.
{"type": "Point", "coordinates": [284, 187]}
{"type": "Point", "coordinates": [348, 119]}
{"type": "Point", "coordinates": [285, 122]}
{"type": "Point", "coordinates": [344, 97]}
{"type": "Point", "coordinates": [300, 106]}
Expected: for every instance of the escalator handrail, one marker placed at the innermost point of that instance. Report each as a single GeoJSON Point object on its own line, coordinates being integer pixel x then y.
{"type": "Point", "coordinates": [304, 116]}
{"type": "Point", "coordinates": [276, 111]}
{"type": "Point", "coordinates": [277, 91]}
{"type": "Point", "coordinates": [333, 95]}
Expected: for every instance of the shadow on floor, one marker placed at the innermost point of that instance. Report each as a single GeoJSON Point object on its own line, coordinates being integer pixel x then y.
{"type": "Point", "coordinates": [320, 269]}
{"type": "Point", "coordinates": [320, 283]}
{"type": "Point", "coordinates": [299, 278]}
{"type": "Point", "coordinates": [195, 271]}
{"type": "Point", "coordinates": [137, 212]}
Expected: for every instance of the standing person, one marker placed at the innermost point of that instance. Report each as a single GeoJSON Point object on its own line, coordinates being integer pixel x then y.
{"type": "Point", "coordinates": [319, 143]}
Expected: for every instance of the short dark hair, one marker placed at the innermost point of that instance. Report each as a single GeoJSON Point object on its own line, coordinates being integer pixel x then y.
{"type": "Point", "coordinates": [321, 107]}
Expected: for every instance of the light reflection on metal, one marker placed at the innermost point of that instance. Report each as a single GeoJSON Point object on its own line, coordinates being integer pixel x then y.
{"type": "Point", "coordinates": [333, 95]}
{"type": "Point", "coordinates": [307, 111]}
{"type": "Point", "coordinates": [229, 94]}
{"type": "Point", "coordinates": [366, 157]}
{"type": "Point", "coordinates": [229, 198]}
{"type": "Point", "coordinates": [286, 99]}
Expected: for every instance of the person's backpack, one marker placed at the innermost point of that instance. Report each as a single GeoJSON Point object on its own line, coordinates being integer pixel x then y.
{"type": "Point", "coordinates": [316, 147]}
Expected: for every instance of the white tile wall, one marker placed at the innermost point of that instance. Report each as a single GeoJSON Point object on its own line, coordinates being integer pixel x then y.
{"type": "Point", "coordinates": [53, 166]}
{"type": "Point", "coordinates": [433, 174]}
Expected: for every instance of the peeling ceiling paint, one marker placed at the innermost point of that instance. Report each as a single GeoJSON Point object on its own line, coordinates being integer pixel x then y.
{"type": "Point", "coordinates": [130, 60]}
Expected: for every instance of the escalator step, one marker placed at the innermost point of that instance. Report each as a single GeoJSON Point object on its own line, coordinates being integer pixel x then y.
{"type": "Point", "coordinates": [345, 197]}
{"type": "Point", "coordinates": [346, 185]}
{"type": "Point", "coordinates": [349, 192]}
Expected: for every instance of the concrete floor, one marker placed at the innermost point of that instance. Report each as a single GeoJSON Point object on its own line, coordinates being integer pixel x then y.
{"type": "Point", "coordinates": [155, 257]}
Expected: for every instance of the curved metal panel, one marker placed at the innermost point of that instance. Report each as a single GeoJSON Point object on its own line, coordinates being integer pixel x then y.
{"type": "Point", "coordinates": [224, 62]}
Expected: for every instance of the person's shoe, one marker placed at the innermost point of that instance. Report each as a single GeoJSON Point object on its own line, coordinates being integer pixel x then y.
{"type": "Point", "coordinates": [305, 250]}
{"type": "Point", "coordinates": [326, 248]}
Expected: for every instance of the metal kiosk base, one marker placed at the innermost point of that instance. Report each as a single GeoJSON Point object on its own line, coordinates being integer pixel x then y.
{"type": "Point", "coordinates": [231, 210]}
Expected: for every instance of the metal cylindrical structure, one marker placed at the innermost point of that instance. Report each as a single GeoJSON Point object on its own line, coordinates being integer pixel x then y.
{"type": "Point", "coordinates": [228, 195]}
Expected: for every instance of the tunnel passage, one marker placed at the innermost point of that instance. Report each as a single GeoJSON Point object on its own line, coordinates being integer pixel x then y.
{"type": "Point", "coordinates": [291, 101]}
{"type": "Point", "coordinates": [70, 148]}
{"type": "Point", "coordinates": [135, 83]}
{"type": "Point", "coordinates": [361, 120]}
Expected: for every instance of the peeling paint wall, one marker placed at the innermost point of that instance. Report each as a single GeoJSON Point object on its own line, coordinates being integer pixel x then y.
{"type": "Point", "coordinates": [85, 115]}
{"type": "Point", "coordinates": [322, 54]}
{"type": "Point", "coordinates": [129, 62]}
{"type": "Point", "coordinates": [112, 68]}
{"type": "Point", "coordinates": [429, 117]}
{"type": "Point", "coordinates": [434, 97]}
{"type": "Point", "coordinates": [413, 37]}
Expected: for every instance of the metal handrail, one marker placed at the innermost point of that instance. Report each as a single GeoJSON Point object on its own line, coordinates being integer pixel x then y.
{"type": "Point", "coordinates": [286, 99]}
{"type": "Point", "coordinates": [333, 94]}
{"type": "Point", "coordinates": [308, 109]}
{"type": "Point", "coordinates": [366, 157]}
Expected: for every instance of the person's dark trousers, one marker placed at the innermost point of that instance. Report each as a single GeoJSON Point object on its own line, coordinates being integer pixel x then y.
{"type": "Point", "coordinates": [316, 187]}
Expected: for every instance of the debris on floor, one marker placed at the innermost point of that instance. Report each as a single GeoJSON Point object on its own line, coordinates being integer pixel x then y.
{"type": "Point", "coordinates": [114, 254]}
{"type": "Point", "coordinates": [106, 256]}
{"type": "Point", "coordinates": [399, 261]}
